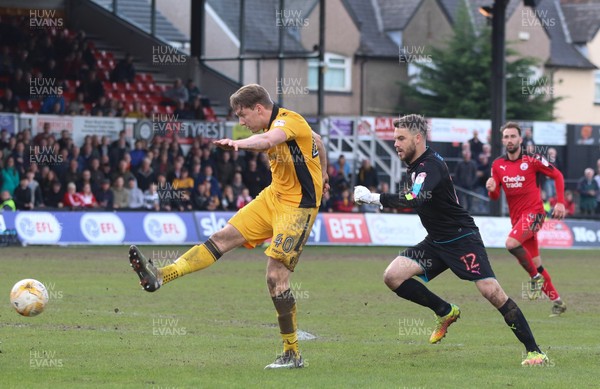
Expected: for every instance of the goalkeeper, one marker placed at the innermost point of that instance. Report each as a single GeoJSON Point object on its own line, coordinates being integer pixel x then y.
{"type": "Point", "coordinates": [452, 241]}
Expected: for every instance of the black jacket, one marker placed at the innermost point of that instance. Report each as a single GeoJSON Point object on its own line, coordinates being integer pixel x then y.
{"type": "Point", "coordinates": [431, 193]}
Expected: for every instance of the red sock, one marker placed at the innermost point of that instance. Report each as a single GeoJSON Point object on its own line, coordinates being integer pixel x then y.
{"type": "Point", "coordinates": [548, 287]}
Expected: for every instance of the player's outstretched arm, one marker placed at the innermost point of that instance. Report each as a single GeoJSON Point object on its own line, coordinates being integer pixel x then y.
{"type": "Point", "coordinates": [258, 142]}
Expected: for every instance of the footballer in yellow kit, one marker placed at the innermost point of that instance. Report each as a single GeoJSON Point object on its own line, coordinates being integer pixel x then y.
{"type": "Point", "coordinates": [284, 211]}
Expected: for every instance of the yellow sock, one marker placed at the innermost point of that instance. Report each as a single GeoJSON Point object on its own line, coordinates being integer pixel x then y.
{"type": "Point", "coordinates": [290, 342]}
{"type": "Point", "coordinates": [285, 304]}
{"type": "Point", "coordinates": [197, 258]}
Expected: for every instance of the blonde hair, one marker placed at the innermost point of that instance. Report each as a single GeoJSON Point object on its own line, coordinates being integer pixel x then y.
{"type": "Point", "coordinates": [250, 95]}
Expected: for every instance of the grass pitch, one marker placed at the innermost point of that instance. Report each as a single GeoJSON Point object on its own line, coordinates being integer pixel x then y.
{"type": "Point", "coordinates": [217, 328]}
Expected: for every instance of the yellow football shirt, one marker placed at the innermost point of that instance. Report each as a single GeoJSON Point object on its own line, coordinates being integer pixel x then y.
{"type": "Point", "coordinates": [295, 164]}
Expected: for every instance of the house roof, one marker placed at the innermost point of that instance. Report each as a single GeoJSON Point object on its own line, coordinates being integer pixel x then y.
{"type": "Point", "coordinates": [374, 42]}
{"type": "Point", "coordinates": [583, 20]}
{"type": "Point", "coordinates": [562, 52]}
{"type": "Point", "coordinates": [575, 21]}
{"type": "Point", "coordinates": [261, 31]}
{"type": "Point", "coordinates": [396, 16]}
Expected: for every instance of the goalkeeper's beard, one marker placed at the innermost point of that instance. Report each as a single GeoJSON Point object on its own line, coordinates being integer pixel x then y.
{"type": "Point", "coordinates": [409, 154]}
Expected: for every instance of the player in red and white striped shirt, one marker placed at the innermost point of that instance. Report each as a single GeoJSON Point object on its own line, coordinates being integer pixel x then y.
{"type": "Point", "coordinates": [518, 173]}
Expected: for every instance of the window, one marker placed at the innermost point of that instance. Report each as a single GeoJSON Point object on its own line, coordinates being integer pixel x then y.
{"type": "Point", "coordinates": [414, 74]}
{"type": "Point", "coordinates": [337, 73]}
{"type": "Point", "coordinates": [597, 87]}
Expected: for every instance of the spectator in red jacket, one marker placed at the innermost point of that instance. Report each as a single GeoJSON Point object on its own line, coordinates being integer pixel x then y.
{"type": "Point", "coordinates": [72, 199]}
{"type": "Point", "coordinates": [569, 203]}
{"type": "Point", "coordinates": [243, 199]}
{"type": "Point", "coordinates": [344, 203]}
{"type": "Point", "coordinates": [88, 200]}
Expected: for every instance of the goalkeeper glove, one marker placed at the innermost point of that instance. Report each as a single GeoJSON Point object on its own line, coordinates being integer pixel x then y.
{"type": "Point", "coordinates": [363, 196]}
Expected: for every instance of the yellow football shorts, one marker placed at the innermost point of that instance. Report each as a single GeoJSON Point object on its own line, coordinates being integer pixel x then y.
{"type": "Point", "coordinates": [267, 217]}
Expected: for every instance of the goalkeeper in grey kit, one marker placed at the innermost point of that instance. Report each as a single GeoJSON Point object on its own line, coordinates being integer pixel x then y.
{"type": "Point", "coordinates": [452, 241]}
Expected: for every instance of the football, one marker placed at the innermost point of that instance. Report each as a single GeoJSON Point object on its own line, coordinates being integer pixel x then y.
{"type": "Point", "coordinates": [29, 297]}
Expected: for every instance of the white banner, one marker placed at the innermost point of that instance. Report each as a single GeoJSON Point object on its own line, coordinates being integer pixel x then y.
{"type": "Point", "coordinates": [395, 230]}
{"type": "Point", "coordinates": [78, 126]}
{"type": "Point", "coordinates": [458, 130]}
{"type": "Point", "coordinates": [57, 123]}
{"type": "Point", "coordinates": [406, 230]}
{"type": "Point", "coordinates": [548, 133]}
{"type": "Point", "coordinates": [92, 125]}
{"type": "Point", "coordinates": [493, 230]}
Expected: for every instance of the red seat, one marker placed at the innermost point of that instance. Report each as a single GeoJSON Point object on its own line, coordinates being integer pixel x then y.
{"type": "Point", "coordinates": [69, 85]}
{"type": "Point", "coordinates": [69, 96]}
{"type": "Point", "coordinates": [149, 78]}
{"type": "Point", "coordinates": [119, 86]}
{"type": "Point", "coordinates": [24, 106]}
{"type": "Point", "coordinates": [35, 105]}
{"type": "Point", "coordinates": [155, 100]}
{"type": "Point", "coordinates": [141, 86]}
{"type": "Point", "coordinates": [166, 101]}
{"type": "Point", "coordinates": [130, 97]}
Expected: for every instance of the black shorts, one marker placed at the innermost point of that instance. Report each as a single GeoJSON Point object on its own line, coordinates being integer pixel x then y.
{"type": "Point", "coordinates": [465, 256]}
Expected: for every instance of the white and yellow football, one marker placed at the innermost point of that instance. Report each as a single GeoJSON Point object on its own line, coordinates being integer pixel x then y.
{"type": "Point", "coordinates": [29, 297]}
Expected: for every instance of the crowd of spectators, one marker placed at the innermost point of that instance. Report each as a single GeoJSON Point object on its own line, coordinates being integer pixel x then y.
{"type": "Point", "coordinates": [50, 171]}
{"type": "Point", "coordinates": [61, 72]}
